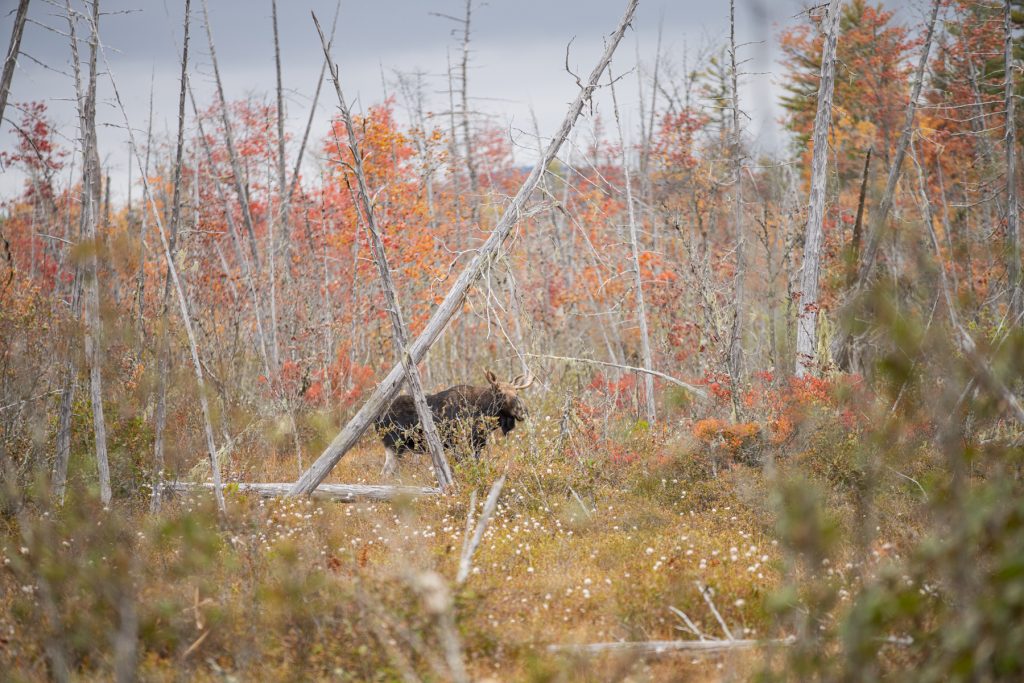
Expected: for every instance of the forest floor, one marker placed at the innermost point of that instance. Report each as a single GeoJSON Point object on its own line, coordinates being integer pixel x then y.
{"type": "Point", "coordinates": [584, 547]}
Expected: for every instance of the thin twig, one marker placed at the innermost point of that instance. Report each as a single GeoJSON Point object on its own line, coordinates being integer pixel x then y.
{"type": "Point", "coordinates": [466, 561]}
{"type": "Point", "coordinates": [705, 592]}
{"type": "Point", "coordinates": [678, 382]}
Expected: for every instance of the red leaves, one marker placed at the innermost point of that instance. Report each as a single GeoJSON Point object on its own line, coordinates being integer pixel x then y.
{"type": "Point", "coordinates": [619, 390]}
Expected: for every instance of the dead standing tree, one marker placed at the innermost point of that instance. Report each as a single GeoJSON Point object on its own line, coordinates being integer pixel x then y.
{"type": "Point", "coordinates": [163, 344]}
{"type": "Point", "coordinates": [467, 136]}
{"type": "Point", "coordinates": [1013, 269]}
{"type": "Point", "coordinates": [89, 219]}
{"type": "Point", "coordinates": [452, 303]}
{"type": "Point", "coordinates": [638, 283]}
{"type": "Point", "coordinates": [735, 152]}
{"type": "Point", "coordinates": [399, 329]}
{"type": "Point", "coordinates": [807, 317]}
{"type": "Point", "coordinates": [229, 141]}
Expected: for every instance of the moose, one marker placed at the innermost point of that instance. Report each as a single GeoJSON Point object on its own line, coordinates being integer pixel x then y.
{"type": "Point", "coordinates": [465, 416]}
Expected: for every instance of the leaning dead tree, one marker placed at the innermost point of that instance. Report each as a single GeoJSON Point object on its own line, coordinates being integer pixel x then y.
{"type": "Point", "coordinates": [807, 316]}
{"type": "Point", "coordinates": [471, 541]}
{"type": "Point", "coordinates": [452, 303]}
{"type": "Point", "coordinates": [236, 168]}
{"type": "Point", "coordinates": [398, 326]}
{"type": "Point", "coordinates": [842, 342]}
{"type": "Point", "coordinates": [11, 60]}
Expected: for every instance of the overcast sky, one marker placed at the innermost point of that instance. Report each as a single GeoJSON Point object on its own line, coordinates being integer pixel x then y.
{"type": "Point", "coordinates": [518, 57]}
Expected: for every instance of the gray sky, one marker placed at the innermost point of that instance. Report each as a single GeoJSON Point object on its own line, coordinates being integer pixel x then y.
{"type": "Point", "coordinates": [518, 56]}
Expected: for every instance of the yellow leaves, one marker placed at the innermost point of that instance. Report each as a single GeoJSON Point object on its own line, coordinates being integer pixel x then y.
{"type": "Point", "coordinates": [850, 134]}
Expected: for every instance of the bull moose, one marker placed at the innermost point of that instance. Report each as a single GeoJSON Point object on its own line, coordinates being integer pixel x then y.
{"type": "Point", "coordinates": [465, 416]}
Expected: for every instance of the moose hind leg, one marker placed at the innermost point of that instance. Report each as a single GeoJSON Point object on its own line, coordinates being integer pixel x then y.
{"type": "Point", "coordinates": [390, 462]}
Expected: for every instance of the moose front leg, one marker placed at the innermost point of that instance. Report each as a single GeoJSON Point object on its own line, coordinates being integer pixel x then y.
{"type": "Point", "coordinates": [479, 439]}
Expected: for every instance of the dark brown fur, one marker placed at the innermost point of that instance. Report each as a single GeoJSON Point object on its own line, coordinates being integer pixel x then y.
{"type": "Point", "coordinates": [465, 416]}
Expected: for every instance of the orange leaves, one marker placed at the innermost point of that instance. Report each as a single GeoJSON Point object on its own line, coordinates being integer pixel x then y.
{"type": "Point", "coordinates": [675, 143]}
{"type": "Point", "coordinates": [732, 436]}
{"type": "Point", "coordinates": [386, 150]}
{"type": "Point", "coordinates": [776, 411]}
{"type": "Point", "coordinates": [394, 161]}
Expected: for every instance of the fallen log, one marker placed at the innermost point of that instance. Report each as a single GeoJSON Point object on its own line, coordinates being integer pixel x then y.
{"type": "Point", "coordinates": [656, 647]}
{"type": "Point", "coordinates": [339, 493]}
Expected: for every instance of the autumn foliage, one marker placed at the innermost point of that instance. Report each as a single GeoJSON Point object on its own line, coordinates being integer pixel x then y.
{"type": "Point", "coordinates": [826, 510]}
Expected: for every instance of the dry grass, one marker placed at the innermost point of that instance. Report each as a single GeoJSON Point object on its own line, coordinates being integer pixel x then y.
{"type": "Point", "coordinates": [296, 588]}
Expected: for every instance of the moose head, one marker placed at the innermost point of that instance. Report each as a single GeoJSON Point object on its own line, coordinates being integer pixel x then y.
{"type": "Point", "coordinates": [505, 401]}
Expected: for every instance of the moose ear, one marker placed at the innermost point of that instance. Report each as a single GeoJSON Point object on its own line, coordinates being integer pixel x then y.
{"type": "Point", "coordinates": [523, 381]}
{"type": "Point", "coordinates": [491, 377]}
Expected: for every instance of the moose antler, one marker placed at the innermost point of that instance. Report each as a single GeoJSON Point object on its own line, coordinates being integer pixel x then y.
{"type": "Point", "coordinates": [523, 381]}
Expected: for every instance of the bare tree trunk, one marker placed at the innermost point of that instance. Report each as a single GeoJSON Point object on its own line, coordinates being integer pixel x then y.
{"type": "Point", "coordinates": [67, 400]}
{"type": "Point", "coordinates": [858, 224]}
{"type": "Point", "coordinates": [638, 283]}
{"type": "Point", "coordinates": [55, 641]}
{"type": "Point", "coordinates": [89, 223]}
{"type": "Point", "coordinates": [339, 493]}
{"type": "Point", "coordinates": [282, 218]}
{"type": "Point", "coordinates": [12, 54]}
{"type": "Point", "coordinates": [467, 135]}
{"type": "Point", "coordinates": [736, 331]}
{"type": "Point", "coordinates": [283, 235]}
{"type": "Point", "coordinates": [399, 329]}
{"type": "Point", "coordinates": [312, 112]}
{"type": "Point", "coordinates": [807, 318]}
{"type": "Point", "coordinates": [647, 134]}
{"type": "Point", "coordinates": [229, 141]}
{"type": "Point", "coordinates": [1013, 270]}
{"type": "Point", "coordinates": [452, 303]}
{"type": "Point", "coordinates": [163, 344]}
{"type": "Point", "coordinates": [140, 281]}
{"type": "Point", "coordinates": [126, 638]}
{"type": "Point", "coordinates": [841, 342]}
